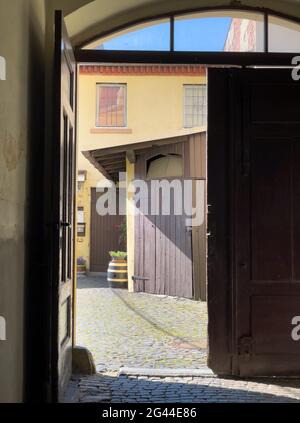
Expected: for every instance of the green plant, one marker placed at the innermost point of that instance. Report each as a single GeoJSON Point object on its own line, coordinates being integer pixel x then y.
{"type": "Point", "coordinates": [123, 235]}
{"type": "Point", "coordinates": [118, 255]}
{"type": "Point", "coordinates": [81, 261]}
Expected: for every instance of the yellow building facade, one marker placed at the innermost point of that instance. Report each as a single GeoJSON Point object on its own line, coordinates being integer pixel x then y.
{"type": "Point", "coordinates": [155, 107]}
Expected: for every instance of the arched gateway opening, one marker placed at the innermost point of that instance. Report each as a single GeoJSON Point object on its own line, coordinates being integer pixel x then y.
{"type": "Point", "coordinates": [237, 143]}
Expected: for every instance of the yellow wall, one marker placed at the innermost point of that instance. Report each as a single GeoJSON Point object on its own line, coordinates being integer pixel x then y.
{"type": "Point", "coordinates": [84, 200]}
{"type": "Point", "coordinates": [154, 104]}
{"type": "Point", "coordinates": [154, 111]}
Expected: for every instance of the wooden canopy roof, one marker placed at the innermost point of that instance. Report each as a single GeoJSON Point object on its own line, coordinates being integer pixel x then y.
{"type": "Point", "coordinates": [111, 161]}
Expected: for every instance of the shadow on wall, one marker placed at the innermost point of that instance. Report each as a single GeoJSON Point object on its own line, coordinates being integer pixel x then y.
{"type": "Point", "coordinates": [36, 294]}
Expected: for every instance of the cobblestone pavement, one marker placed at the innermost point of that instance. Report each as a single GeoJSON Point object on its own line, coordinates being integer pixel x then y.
{"type": "Point", "coordinates": [139, 330]}
{"type": "Point", "coordinates": [110, 388]}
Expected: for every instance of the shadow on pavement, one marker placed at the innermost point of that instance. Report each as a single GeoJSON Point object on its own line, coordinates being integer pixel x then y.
{"type": "Point", "coordinates": [215, 390]}
{"type": "Point", "coordinates": [84, 282]}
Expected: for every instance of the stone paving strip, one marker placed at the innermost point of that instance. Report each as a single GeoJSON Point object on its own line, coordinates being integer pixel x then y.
{"type": "Point", "coordinates": [112, 388]}
{"type": "Point", "coordinates": [162, 373]}
{"type": "Point", "coordinates": [139, 330]}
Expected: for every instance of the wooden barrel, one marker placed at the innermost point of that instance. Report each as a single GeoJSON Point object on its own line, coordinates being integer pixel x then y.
{"type": "Point", "coordinates": [117, 275]}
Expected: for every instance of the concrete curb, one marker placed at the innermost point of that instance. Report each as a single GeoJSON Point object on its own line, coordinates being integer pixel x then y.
{"type": "Point", "coordinates": [132, 371]}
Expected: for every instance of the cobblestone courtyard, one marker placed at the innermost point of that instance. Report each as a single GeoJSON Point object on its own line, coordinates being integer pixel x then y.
{"type": "Point", "coordinates": [139, 330]}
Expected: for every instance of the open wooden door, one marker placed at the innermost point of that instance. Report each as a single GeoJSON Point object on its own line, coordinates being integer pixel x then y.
{"type": "Point", "coordinates": [63, 207]}
{"type": "Point", "coordinates": [254, 222]}
{"type": "Point", "coordinates": [267, 230]}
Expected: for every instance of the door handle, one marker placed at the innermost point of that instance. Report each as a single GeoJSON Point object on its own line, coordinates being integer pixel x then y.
{"type": "Point", "coordinates": [65, 224]}
{"type": "Point", "coordinates": [58, 225]}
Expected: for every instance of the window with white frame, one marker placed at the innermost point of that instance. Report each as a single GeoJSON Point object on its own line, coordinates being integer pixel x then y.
{"type": "Point", "coordinates": [80, 222]}
{"type": "Point", "coordinates": [195, 105]}
{"type": "Point", "coordinates": [111, 105]}
{"type": "Point", "coordinates": [81, 178]}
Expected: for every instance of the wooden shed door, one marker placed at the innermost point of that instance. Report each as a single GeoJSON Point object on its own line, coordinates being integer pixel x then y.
{"type": "Point", "coordinates": [163, 254]}
{"type": "Point", "coordinates": [267, 222]}
{"type": "Point", "coordinates": [63, 210]}
{"type": "Point", "coordinates": [173, 257]}
{"type": "Point", "coordinates": [105, 236]}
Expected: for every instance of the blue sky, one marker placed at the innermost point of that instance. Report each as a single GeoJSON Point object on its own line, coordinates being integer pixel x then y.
{"type": "Point", "coordinates": [205, 34]}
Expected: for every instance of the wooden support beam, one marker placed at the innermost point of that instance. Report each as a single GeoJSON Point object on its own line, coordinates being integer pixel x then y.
{"type": "Point", "coordinates": [109, 151]}
{"type": "Point", "coordinates": [93, 161]}
{"type": "Point", "coordinates": [131, 156]}
{"type": "Point", "coordinates": [176, 57]}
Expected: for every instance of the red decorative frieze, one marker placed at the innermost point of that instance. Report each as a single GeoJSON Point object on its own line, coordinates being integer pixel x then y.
{"type": "Point", "coordinates": [136, 70]}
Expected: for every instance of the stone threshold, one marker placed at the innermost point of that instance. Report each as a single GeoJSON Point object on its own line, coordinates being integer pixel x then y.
{"type": "Point", "coordinates": [136, 371]}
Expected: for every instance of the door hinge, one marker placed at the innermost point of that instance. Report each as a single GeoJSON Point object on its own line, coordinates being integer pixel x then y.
{"type": "Point", "coordinates": [140, 278]}
{"type": "Point", "coordinates": [48, 392]}
{"type": "Point", "coordinates": [246, 347]}
{"type": "Point", "coordinates": [246, 168]}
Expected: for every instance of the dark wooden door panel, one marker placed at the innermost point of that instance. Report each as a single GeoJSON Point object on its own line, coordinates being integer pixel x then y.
{"type": "Point", "coordinates": [296, 207]}
{"type": "Point", "coordinates": [220, 288]}
{"type": "Point", "coordinates": [272, 164]}
{"type": "Point", "coordinates": [274, 312]}
{"type": "Point", "coordinates": [266, 203]}
{"type": "Point", "coordinates": [63, 209]}
{"type": "Point", "coordinates": [105, 236]}
{"type": "Point", "coordinates": [254, 221]}
{"type": "Point", "coordinates": [269, 105]}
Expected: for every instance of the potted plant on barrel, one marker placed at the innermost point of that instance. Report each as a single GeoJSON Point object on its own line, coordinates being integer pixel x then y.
{"type": "Point", "coordinates": [117, 275]}
{"type": "Point", "coordinates": [81, 266]}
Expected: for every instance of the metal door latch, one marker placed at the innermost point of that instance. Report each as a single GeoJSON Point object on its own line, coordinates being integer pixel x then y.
{"type": "Point", "coordinates": [246, 346]}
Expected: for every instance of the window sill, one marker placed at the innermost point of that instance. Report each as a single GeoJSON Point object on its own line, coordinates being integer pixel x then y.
{"type": "Point", "coordinates": [111, 131]}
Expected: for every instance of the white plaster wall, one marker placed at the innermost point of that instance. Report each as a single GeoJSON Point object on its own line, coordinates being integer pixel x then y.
{"type": "Point", "coordinates": [19, 20]}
